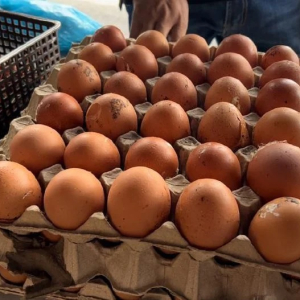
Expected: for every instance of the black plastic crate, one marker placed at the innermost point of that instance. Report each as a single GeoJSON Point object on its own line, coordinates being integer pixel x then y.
{"type": "Point", "coordinates": [28, 50]}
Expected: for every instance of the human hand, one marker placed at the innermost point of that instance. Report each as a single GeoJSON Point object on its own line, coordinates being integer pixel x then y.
{"type": "Point", "coordinates": [170, 17]}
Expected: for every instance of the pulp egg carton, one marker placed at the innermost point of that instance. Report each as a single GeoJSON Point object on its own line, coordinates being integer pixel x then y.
{"type": "Point", "coordinates": [135, 266]}
{"type": "Point", "coordinates": [162, 61]}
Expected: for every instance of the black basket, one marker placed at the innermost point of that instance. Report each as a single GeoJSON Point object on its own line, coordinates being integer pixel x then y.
{"type": "Point", "coordinates": [28, 50]}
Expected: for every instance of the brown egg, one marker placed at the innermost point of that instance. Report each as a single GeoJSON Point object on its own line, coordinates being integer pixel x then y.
{"type": "Point", "coordinates": [145, 203]}
{"type": "Point", "coordinates": [19, 189]}
{"type": "Point", "coordinates": [154, 153]}
{"type": "Point", "coordinates": [110, 36]}
{"type": "Point", "coordinates": [192, 43]}
{"type": "Point", "coordinates": [100, 56]}
{"type": "Point", "coordinates": [207, 214]}
{"type": "Point", "coordinates": [37, 147]}
{"type": "Point", "coordinates": [60, 112]}
{"type": "Point", "coordinates": [279, 124]}
{"type": "Point", "coordinates": [79, 79]}
{"type": "Point", "coordinates": [189, 65]}
{"type": "Point", "coordinates": [155, 41]}
{"type": "Point", "coordinates": [71, 197]}
{"type": "Point", "coordinates": [167, 120]}
{"type": "Point", "coordinates": [12, 277]}
{"type": "Point", "coordinates": [275, 230]}
{"type": "Point", "coordinates": [280, 92]}
{"type": "Point", "coordinates": [138, 60]}
{"type": "Point", "coordinates": [215, 161]}
{"type": "Point", "coordinates": [278, 53]}
{"type": "Point", "coordinates": [54, 238]}
{"type": "Point", "coordinates": [176, 87]}
{"type": "Point", "coordinates": [241, 44]}
{"type": "Point", "coordinates": [229, 89]}
{"type": "Point", "coordinates": [93, 152]}
{"type": "Point", "coordinates": [281, 69]}
{"type": "Point", "coordinates": [231, 64]}
{"type": "Point", "coordinates": [223, 123]}
{"type": "Point", "coordinates": [111, 115]}
{"type": "Point", "coordinates": [127, 85]}
{"type": "Point", "coordinates": [275, 171]}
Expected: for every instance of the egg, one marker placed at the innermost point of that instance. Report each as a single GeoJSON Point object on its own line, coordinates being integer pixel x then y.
{"type": "Point", "coordinates": [155, 41]}
{"type": "Point", "coordinates": [54, 238]}
{"type": "Point", "coordinates": [279, 124]}
{"type": "Point", "coordinates": [274, 171]}
{"type": "Point", "coordinates": [231, 90]}
{"type": "Point", "coordinates": [215, 161]}
{"type": "Point", "coordinates": [176, 87]}
{"type": "Point", "coordinates": [19, 189]}
{"type": "Point", "coordinates": [138, 202]}
{"type": "Point", "coordinates": [154, 153]}
{"type": "Point", "coordinates": [194, 44]}
{"type": "Point", "coordinates": [37, 147]}
{"type": "Point", "coordinates": [12, 277]}
{"type": "Point", "coordinates": [127, 85]}
{"type": "Point", "coordinates": [71, 197]}
{"type": "Point", "coordinates": [278, 53]}
{"type": "Point", "coordinates": [138, 60]}
{"type": "Point", "coordinates": [79, 79]}
{"type": "Point", "coordinates": [241, 44]}
{"type": "Point", "coordinates": [93, 152]}
{"type": "Point", "coordinates": [110, 36]}
{"type": "Point", "coordinates": [280, 92]}
{"type": "Point", "coordinates": [275, 229]}
{"type": "Point", "coordinates": [231, 64]}
{"type": "Point", "coordinates": [223, 123]}
{"type": "Point", "coordinates": [111, 115]}
{"type": "Point", "coordinates": [207, 214]}
{"type": "Point", "coordinates": [167, 120]}
{"type": "Point", "coordinates": [281, 69]}
{"type": "Point", "coordinates": [98, 55]}
{"type": "Point", "coordinates": [59, 111]}
{"type": "Point", "coordinates": [189, 65]}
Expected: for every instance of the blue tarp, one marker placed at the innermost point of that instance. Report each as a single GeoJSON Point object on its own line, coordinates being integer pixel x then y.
{"type": "Point", "coordinates": [75, 25]}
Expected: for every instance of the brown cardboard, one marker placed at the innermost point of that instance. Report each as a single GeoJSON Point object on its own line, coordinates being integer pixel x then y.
{"type": "Point", "coordinates": [149, 86]}
{"type": "Point", "coordinates": [163, 63]}
{"type": "Point", "coordinates": [244, 156]}
{"type": "Point", "coordinates": [251, 120]}
{"type": "Point", "coordinates": [201, 93]}
{"type": "Point", "coordinates": [141, 110]}
{"type": "Point", "coordinates": [104, 76]}
{"type": "Point", "coordinates": [73, 53]}
{"type": "Point", "coordinates": [195, 115]}
{"type": "Point", "coordinates": [183, 148]}
{"type": "Point", "coordinates": [125, 141]}
{"type": "Point", "coordinates": [71, 133]}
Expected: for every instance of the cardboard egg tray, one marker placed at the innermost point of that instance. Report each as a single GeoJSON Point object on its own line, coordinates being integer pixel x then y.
{"type": "Point", "coordinates": [132, 268]}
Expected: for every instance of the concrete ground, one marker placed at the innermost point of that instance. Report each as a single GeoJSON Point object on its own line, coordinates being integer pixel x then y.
{"type": "Point", "coordinates": [106, 12]}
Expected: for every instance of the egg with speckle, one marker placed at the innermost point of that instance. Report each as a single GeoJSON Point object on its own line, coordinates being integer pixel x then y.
{"type": "Point", "coordinates": [223, 123]}
{"type": "Point", "coordinates": [176, 87]}
{"type": "Point", "coordinates": [78, 79]}
{"type": "Point", "coordinates": [275, 229]}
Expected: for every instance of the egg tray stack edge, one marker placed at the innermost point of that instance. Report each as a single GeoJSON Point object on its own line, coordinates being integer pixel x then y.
{"type": "Point", "coordinates": [240, 250]}
{"type": "Point", "coordinates": [189, 279]}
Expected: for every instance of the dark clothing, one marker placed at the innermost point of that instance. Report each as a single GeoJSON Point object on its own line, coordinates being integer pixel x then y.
{"type": "Point", "coordinates": [267, 23]}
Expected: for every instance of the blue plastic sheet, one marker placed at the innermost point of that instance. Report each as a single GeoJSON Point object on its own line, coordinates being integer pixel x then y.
{"type": "Point", "coordinates": [75, 25]}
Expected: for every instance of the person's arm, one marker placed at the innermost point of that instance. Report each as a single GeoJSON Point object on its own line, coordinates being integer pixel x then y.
{"type": "Point", "coordinates": [167, 16]}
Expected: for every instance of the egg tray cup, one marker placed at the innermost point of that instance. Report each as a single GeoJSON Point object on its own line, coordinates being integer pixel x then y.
{"type": "Point", "coordinates": [90, 240]}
